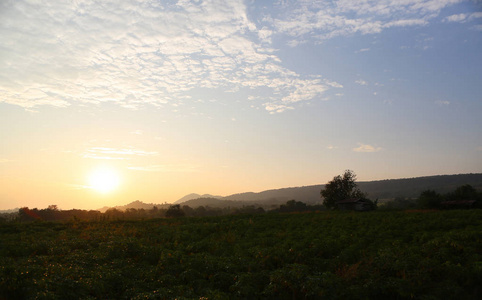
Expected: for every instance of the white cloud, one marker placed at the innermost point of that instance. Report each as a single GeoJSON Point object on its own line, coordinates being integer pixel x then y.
{"type": "Point", "coordinates": [265, 34]}
{"type": "Point", "coordinates": [135, 53]}
{"type": "Point", "coordinates": [333, 84]}
{"type": "Point", "coordinates": [462, 18]}
{"type": "Point", "coordinates": [323, 20]}
{"type": "Point", "coordinates": [361, 82]}
{"type": "Point", "coordinates": [138, 52]}
{"type": "Point", "coordinates": [276, 108]}
{"type": "Point", "coordinates": [366, 148]}
{"type": "Point", "coordinates": [442, 102]}
{"type": "Point", "coordinates": [475, 15]}
{"type": "Point", "coordinates": [456, 18]}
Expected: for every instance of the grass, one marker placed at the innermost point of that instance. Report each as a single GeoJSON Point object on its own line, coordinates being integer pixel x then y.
{"type": "Point", "coordinates": [332, 255]}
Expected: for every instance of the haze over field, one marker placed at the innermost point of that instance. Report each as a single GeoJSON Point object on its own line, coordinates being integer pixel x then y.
{"type": "Point", "coordinates": [106, 102]}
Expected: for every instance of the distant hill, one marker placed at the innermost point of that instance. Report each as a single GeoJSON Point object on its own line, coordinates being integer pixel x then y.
{"type": "Point", "coordinates": [412, 187]}
{"type": "Point", "coordinates": [195, 196]}
{"type": "Point", "coordinates": [384, 190]}
{"type": "Point", "coordinates": [308, 194]}
{"type": "Point", "coordinates": [381, 189]}
{"type": "Point", "coordinates": [213, 202]}
{"type": "Point", "coordinates": [136, 204]}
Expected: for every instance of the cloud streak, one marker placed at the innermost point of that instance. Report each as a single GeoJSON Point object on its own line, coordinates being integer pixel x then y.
{"type": "Point", "coordinates": [327, 19]}
{"type": "Point", "coordinates": [366, 148]}
{"type": "Point", "coordinates": [165, 168]}
{"type": "Point", "coordinates": [115, 153]}
{"type": "Point", "coordinates": [462, 18]}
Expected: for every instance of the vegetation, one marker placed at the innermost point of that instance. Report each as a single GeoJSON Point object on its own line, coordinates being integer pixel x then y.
{"type": "Point", "coordinates": [341, 188]}
{"type": "Point", "coordinates": [408, 188]}
{"type": "Point", "coordinates": [463, 197]}
{"type": "Point", "coordinates": [175, 211]}
{"type": "Point", "coordinates": [330, 254]}
{"type": "Point", "coordinates": [421, 250]}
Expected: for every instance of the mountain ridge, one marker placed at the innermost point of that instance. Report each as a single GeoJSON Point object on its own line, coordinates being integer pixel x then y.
{"type": "Point", "coordinates": [384, 190]}
{"type": "Point", "coordinates": [192, 196]}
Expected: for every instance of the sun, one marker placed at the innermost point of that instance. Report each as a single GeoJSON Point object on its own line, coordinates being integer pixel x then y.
{"type": "Point", "coordinates": [104, 180]}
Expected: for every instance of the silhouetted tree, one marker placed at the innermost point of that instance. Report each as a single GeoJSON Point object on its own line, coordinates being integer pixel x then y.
{"type": "Point", "coordinates": [175, 211]}
{"type": "Point", "coordinates": [113, 214]}
{"type": "Point", "coordinates": [399, 203]}
{"type": "Point", "coordinates": [293, 205]}
{"type": "Point", "coordinates": [53, 207]}
{"type": "Point", "coordinates": [200, 211]}
{"type": "Point", "coordinates": [26, 214]}
{"type": "Point", "coordinates": [341, 188]}
{"type": "Point", "coordinates": [464, 192]}
{"type": "Point", "coordinates": [429, 199]}
{"type": "Point", "coordinates": [188, 211]}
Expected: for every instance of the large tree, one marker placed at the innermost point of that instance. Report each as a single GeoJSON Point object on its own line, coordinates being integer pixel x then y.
{"type": "Point", "coordinates": [429, 199]}
{"type": "Point", "coordinates": [175, 211]}
{"type": "Point", "coordinates": [342, 187]}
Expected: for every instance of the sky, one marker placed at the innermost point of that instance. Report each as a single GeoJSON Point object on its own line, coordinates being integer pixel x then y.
{"type": "Point", "coordinates": [106, 102]}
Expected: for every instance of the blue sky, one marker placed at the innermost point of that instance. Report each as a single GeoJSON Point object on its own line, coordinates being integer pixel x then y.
{"type": "Point", "coordinates": [224, 97]}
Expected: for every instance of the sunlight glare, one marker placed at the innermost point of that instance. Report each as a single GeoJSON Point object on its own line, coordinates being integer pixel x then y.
{"type": "Point", "coordinates": [104, 180]}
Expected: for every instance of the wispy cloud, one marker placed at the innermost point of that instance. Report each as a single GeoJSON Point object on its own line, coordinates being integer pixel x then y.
{"type": "Point", "coordinates": [462, 18]}
{"type": "Point", "coordinates": [115, 153]}
{"type": "Point", "coordinates": [166, 168]}
{"type": "Point", "coordinates": [456, 18]}
{"type": "Point", "coordinates": [276, 108]}
{"type": "Point", "coordinates": [137, 132]}
{"type": "Point", "coordinates": [136, 53]}
{"type": "Point", "coordinates": [321, 20]}
{"type": "Point", "coordinates": [442, 102]}
{"type": "Point", "coordinates": [361, 82]}
{"type": "Point", "coordinates": [366, 148]}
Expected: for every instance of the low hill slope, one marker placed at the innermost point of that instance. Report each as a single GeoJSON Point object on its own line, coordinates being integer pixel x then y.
{"type": "Point", "coordinates": [412, 187]}
{"type": "Point", "coordinates": [195, 196]}
{"type": "Point", "coordinates": [380, 189]}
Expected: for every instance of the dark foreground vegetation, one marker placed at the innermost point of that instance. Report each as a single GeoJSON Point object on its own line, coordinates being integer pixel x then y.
{"type": "Point", "coordinates": [421, 254]}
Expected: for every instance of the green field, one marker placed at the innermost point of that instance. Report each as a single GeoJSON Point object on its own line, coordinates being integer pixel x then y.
{"type": "Point", "coordinates": [326, 255]}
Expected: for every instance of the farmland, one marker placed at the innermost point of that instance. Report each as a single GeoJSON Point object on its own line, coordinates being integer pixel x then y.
{"type": "Point", "coordinates": [331, 255]}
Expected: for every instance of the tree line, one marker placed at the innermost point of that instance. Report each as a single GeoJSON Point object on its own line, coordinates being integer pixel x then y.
{"type": "Point", "coordinates": [52, 213]}
{"type": "Point", "coordinates": [342, 187]}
